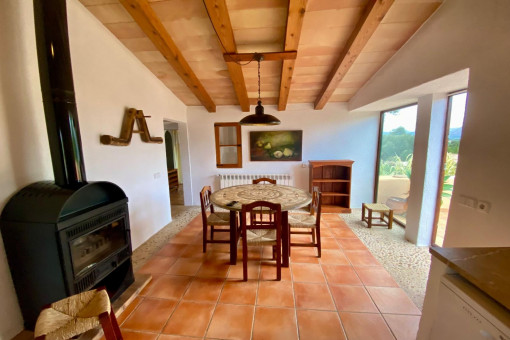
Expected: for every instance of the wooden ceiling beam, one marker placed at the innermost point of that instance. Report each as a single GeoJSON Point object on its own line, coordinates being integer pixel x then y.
{"type": "Point", "coordinates": [296, 14]}
{"type": "Point", "coordinates": [220, 19]}
{"type": "Point", "coordinates": [268, 56]}
{"type": "Point", "coordinates": [149, 22]}
{"type": "Point", "coordinates": [370, 20]}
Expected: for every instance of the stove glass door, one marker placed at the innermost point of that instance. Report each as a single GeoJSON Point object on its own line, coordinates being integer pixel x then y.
{"type": "Point", "coordinates": [91, 248]}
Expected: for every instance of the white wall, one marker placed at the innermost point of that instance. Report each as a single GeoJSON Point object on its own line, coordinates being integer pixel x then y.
{"type": "Point", "coordinates": [100, 62]}
{"type": "Point", "coordinates": [332, 133]}
{"type": "Point", "coordinates": [108, 79]}
{"type": "Point", "coordinates": [24, 151]}
{"type": "Point", "coordinates": [463, 34]}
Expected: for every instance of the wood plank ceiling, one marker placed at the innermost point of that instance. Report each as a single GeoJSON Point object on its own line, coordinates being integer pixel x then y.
{"type": "Point", "coordinates": [340, 44]}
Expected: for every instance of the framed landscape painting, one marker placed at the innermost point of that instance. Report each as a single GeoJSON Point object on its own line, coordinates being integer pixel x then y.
{"type": "Point", "coordinates": [276, 145]}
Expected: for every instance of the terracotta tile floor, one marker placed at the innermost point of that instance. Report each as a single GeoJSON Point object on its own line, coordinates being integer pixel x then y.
{"type": "Point", "coordinates": [346, 294]}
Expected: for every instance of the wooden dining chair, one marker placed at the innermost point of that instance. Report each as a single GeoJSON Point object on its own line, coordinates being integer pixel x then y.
{"type": "Point", "coordinates": [264, 179]}
{"type": "Point", "coordinates": [76, 315]}
{"type": "Point", "coordinates": [214, 219]}
{"type": "Point", "coordinates": [264, 232]}
{"type": "Point", "coordinates": [311, 221]}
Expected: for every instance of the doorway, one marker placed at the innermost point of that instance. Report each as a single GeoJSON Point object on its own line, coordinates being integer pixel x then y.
{"type": "Point", "coordinates": [174, 168]}
{"type": "Point", "coordinates": [452, 137]}
{"type": "Point", "coordinates": [395, 157]}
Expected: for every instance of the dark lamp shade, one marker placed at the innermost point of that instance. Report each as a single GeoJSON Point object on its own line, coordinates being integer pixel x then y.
{"type": "Point", "coordinates": [259, 118]}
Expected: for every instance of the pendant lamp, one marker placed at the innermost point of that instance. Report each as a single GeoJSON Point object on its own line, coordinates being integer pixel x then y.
{"type": "Point", "coordinates": [259, 118]}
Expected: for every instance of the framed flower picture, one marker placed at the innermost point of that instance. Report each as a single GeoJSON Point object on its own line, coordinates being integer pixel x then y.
{"type": "Point", "coordinates": [276, 145]}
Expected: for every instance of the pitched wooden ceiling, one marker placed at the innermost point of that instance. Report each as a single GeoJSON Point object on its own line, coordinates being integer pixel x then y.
{"type": "Point", "coordinates": [340, 44]}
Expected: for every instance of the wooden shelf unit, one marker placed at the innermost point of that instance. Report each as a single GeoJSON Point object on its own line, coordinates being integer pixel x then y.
{"type": "Point", "coordinates": [333, 177]}
{"type": "Point", "coordinates": [173, 179]}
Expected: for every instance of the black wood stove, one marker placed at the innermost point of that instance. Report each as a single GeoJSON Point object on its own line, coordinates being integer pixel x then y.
{"type": "Point", "coordinates": [67, 236]}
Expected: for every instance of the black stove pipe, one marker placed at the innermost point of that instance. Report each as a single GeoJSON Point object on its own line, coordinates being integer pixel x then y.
{"type": "Point", "coordinates": [58, 92]}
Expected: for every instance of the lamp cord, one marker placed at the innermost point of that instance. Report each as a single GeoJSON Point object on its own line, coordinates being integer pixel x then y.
{"type": "Point", "coordinates": [258, 62]}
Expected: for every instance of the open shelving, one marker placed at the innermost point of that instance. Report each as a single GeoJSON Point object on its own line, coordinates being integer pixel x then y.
{"type": "Point", "coordinates": [333, 177]}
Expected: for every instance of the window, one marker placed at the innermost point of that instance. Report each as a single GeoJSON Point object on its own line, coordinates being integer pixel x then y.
{"type": "Point", "coordinates": [453, 135]}
{"type": "Point", "coordinates": [396, 148]}
{"type": "Point", "coordinates": [228, 145]}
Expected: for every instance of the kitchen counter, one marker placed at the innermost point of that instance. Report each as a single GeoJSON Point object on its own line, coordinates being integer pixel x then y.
{"type": "Point", "coordinates": [486, 268]}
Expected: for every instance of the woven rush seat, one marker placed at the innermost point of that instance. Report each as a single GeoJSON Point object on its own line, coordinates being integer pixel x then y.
{"type": "Point", "coordinates": [302, 221]}
{"type": "Point", "coordinates": [311, 221]}
{"type": "Point", "coordinates": [219, 218]}
{"type": "Point", "coordinates": [213, 218]}
{"type": "Point", "coordinates": [380, 208]}
{"type": "Point", "coordinates": [261, 237]}
{"type": "Point", "coordinates": [262, 230]}
{"type": "Point", "coordinates": [77, 314]}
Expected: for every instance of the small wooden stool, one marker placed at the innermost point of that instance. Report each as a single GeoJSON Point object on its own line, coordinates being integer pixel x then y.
{"type": "Point", "coordinates": [381, 209]}
{"type": "Point", "coordinates": [77, 314]}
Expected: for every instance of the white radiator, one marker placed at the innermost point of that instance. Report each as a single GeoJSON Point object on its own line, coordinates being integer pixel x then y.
{"type": "Point", "coordinates": [228, 180]}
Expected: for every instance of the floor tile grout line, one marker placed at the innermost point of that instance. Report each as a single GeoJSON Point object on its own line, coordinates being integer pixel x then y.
{"type": "Point", "coordinates": [175, 308]}
{"type": "Point", "coordinates": [182, 299]}
{"type": "Point", "coordinates": [256, 297]}
{"type": "Point", "coordinates": [371, 298]}
{"type": "Point", "coordinates": [294, 296]}
{"type": "Point", "coordinates": [364, 287]}
{"type": "Point", "coordinates": [336, 307]}
{"type": "Point", "coordinates": [134, 309]}
{"type": "Point", "coordinates": [214, 309]}
{"type": "Point", "coordinates": [363, 284]}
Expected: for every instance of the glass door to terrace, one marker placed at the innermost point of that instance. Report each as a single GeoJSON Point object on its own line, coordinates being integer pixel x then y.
{"type": "Point", "coordinates": [453, 134]}
{"type": "Point", "coordinates": [396, 147]}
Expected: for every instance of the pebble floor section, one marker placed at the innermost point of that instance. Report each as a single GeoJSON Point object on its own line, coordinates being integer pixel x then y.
{"type": "Point", "coordinates": [345, 294]}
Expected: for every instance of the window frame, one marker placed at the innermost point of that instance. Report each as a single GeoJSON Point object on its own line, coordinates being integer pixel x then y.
{"type": "Point", "coordinates": [238, 145]}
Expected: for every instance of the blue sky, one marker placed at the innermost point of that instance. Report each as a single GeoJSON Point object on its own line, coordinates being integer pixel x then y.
{"type": "Point", "coordinates": [406, 117]}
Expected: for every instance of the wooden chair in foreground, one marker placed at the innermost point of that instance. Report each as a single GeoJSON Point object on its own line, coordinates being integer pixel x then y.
{"type": "Point", "coordinates": [77, 314]}
{"type": "Point", "coordinates": [214, 219]}
{"type": "Point", "coordinates": [264, 179]}
{"type": "Point", "coordinates": [266, 231]}
{"type": "Point", "coordinates": [311, 221]}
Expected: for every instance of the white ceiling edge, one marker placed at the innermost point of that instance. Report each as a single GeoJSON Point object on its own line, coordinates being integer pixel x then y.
{"type": "Point", "coordinates": [447, 84]}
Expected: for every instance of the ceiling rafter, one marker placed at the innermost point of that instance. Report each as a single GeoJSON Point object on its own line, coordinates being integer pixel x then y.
{"type": "Point", "coordinates": [151, 25]}
{"type": "Point", "coordinates": [296, 14]}
{"type": "Point", "coordinates": [220, 19]}
{"type": "Point", "coordinates": [370, 20]}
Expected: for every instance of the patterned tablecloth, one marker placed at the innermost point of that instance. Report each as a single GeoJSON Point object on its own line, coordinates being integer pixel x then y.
{"type": "Point", "coordinates": [289, 197]}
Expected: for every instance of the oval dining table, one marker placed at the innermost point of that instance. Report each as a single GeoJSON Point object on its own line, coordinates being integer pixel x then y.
{"type": "Point", "coordinates": [232, 199]}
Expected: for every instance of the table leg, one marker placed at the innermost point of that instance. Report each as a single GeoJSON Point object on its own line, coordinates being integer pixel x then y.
{"type": "Point", "coordinates": [233, 237]}
{"type": "Point", "coordinates": [285, 239]}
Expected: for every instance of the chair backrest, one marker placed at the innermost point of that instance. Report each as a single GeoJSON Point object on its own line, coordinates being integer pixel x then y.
{"type": "Point", "coordinates": [269, 216]}
{"type": "Point", "coordinates": [315, 206]}
{"type": "Point", "coordinates": [264, 179]}
{"type": "Point", "coordinates": [205, 202]}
